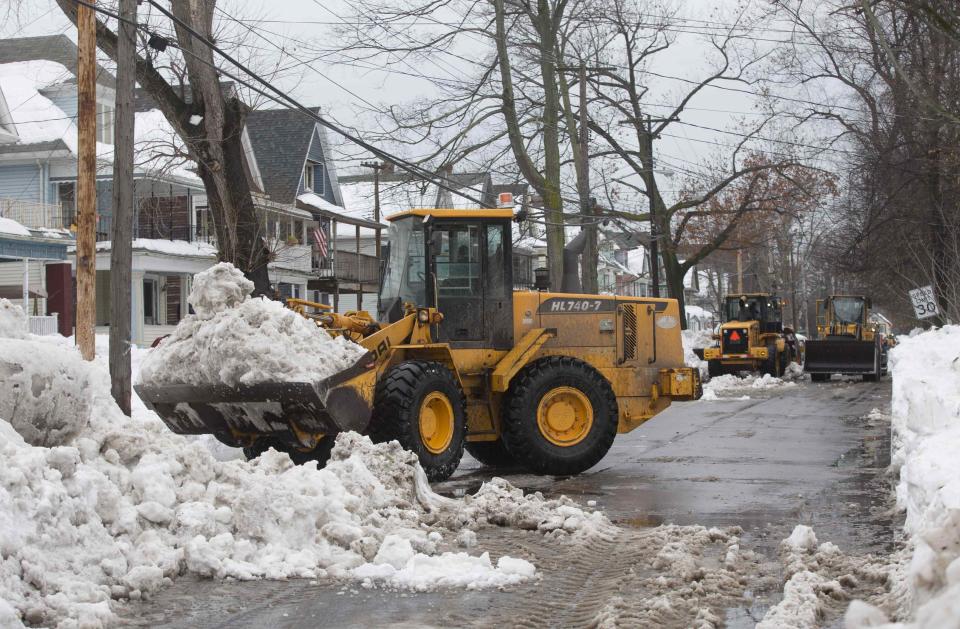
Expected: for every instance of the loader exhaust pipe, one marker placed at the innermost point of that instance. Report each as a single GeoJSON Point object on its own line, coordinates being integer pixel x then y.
{"type": "Point", "coordinates": [571, 259]}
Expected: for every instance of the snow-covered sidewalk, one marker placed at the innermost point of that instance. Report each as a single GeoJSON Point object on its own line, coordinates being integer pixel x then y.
{"type": "Point", "coordinates": [96, 506]}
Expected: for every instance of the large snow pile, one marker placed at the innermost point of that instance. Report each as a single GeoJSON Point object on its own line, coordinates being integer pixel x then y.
{"type": "Point", "coordinates": [695, 340]}
{"type": "Point", "coordinates": [122, 506]}
{"type": "Point", "coordinates": [925, 444]}
{"type": "Point", "coordinates": [236, 339]}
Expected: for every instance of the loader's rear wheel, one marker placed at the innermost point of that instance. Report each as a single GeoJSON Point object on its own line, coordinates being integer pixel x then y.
{"type": "Point", "coordinates": [320, 453]}
{"type": "Point", "coordinates": [560, 416]}
{"type": "Point", "coordinates": [490, 453]}
{"type": "Point", "coordinates": [420, 404]}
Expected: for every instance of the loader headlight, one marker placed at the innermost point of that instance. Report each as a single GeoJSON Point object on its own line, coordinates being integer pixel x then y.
{"type": "Point", "coordinates": [423, 316]}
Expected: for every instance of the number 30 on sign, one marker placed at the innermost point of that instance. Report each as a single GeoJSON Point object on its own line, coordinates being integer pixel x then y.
{"type": "Point", "coordinates": [924, 302]}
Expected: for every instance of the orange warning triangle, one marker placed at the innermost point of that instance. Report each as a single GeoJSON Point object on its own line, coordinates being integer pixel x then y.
{"type": "Point", "coordinates": [734, 336]}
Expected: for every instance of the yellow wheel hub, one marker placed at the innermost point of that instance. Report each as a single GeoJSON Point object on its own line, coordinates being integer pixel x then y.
{"type": "Point", "coordinates": [436, 422]}
{"type": "Point", "coordinates": [565, 416]}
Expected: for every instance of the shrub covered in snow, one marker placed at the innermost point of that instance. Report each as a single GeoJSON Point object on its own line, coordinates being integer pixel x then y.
{"type": "Point", "coordinates": [235, 339]}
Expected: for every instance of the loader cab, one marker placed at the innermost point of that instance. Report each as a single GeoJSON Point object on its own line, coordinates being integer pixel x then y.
{"type": "Point", "coordinates": [458, 261]}
{"type": "Point", "coordinates": [767, 310]}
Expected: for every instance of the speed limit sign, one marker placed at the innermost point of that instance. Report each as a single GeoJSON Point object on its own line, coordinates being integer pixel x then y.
{"type": "Point", "coordinates": [924, 302]}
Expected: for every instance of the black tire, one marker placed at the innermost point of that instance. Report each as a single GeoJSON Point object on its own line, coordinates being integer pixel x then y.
{"type": "Point", "coordinates": [490, 453]}
{"type": "Point", "coordinates": [320, 454]}
{"type": "Point", "coordinates": [396, 413]}
{"type": "Point", "coordinates": [819, 377]}
{"type": "Point", "coordinates": [522, 435]}
{"type": "Point", "coordinates": [773, 362]}
{"type": "Point", "coordinates": [715, 368]}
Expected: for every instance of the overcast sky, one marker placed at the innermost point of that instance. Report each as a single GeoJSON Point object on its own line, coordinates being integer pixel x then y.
{"type": "Point", "coordinates": [342, 90]}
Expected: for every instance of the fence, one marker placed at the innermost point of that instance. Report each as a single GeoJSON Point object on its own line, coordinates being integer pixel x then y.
{"type": "Point", "coordinates": [349, 267]}
{"type": "Point", "coordinates": [35, 215]}
{"type": "Point", "coordinates": [44, 326]}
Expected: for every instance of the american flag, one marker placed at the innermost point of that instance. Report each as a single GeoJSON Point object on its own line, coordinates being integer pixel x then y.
{"type": "Point", "coordinates": [320, 237]}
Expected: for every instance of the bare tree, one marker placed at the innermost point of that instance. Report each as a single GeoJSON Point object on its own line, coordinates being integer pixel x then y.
{"type": "Point", "coordinates": [891, 69]}
{"type": "Point", "coordinates": [183, 81]}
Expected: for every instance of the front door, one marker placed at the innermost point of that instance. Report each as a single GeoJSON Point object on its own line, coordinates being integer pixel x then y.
{"type": "Point", "coordinates": [474, 290]}
{"type": "Point", "coordinates": [458, 280]}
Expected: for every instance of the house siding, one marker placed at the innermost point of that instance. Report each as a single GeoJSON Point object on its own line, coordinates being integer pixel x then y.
{"type": "Point", "coordinates": [66, 101]}
{"type": "Point", "coordinates": [20, 182]}
{"type": "Point", "coordinates": [315, 154]}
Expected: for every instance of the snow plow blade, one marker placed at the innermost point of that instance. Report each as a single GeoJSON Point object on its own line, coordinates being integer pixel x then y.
{"type": "Point", "coordinates": [292, 409]}
{"type": "Point", "coordinates": [843, 356]}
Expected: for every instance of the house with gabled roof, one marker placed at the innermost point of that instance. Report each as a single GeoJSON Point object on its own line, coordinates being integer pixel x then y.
{"type": "Point", "coordinates": [298, 169]}
{"type": "Point", "coordinates": [173, 232]}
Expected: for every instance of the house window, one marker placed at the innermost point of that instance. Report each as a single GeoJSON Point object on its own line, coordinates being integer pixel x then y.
{"type": "Point", "coordinates": [313, 177]}
{"type": "Point", "coordinates": [104, 123]}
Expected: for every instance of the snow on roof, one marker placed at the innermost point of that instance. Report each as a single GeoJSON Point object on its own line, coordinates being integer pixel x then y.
{"type": "Point", "coordinates": [10, 226]}
{"type": "Point", "coordinates": [399, 196]}
{"type": "Point", "coordinates": [318, 202]}
{"type": "Point", "coordinates": [170, 247]}
{"type": "Point", "coordinates": [35, 117]}
{"type": "Point", "coordinates": [155, 146]}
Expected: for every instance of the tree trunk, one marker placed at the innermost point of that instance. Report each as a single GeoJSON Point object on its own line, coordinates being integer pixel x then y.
{"type": "Point", "coordinates": [553, 203]}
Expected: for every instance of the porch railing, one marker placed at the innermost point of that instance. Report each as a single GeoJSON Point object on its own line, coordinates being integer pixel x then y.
{"type": "Point", "coordinates": [44, 326]}
{"type": "Point", "coordinates": [35, 215]}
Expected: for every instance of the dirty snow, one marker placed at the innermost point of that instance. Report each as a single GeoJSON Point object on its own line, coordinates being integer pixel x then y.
{"type": "Point", "coordinates": [819, 577]}
{"type": "Point", "coordinates": [236, 339]}
{"type": "Point", "coordinates": [727, 386]}
{"type": "Point", "coordinates": [925, 442]}
{"type": "Point", "coordinates": [120, 506]}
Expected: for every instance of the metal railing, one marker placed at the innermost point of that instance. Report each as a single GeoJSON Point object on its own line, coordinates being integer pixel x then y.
{"type": "Point", "coordinates": [44, 326]}
{"type": "Point", "coordinates": [35, 215]}
{"type": "Point", "coordinates": [347, 266]}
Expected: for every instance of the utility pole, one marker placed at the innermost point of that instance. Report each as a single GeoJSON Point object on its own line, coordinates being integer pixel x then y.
{"type": "Point", "coordinates": [121, 249]}
{"type": "Point", "coordinates": [86, 180]}
{"type": "Point", "coordinates": [377, 167]}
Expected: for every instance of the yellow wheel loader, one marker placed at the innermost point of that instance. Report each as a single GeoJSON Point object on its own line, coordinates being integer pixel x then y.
{"type": "Point", "coordinates": [847, 343]}
{"type": "Point", "coordinates": [459, 359]}
{"type": "Point", "coordinates": [752, 337]}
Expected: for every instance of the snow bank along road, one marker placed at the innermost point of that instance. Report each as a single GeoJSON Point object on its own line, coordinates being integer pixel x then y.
{"type": "Point", "coordinates": [703, 496]}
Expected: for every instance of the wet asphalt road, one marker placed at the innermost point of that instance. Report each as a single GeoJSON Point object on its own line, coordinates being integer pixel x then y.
{"type": "Point", "coordinates": [801, 454]}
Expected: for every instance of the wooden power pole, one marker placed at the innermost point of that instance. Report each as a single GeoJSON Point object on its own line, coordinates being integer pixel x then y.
{"type": "Point", "coordinates": [121, 236]}
{"type": "Point", "coordinates": [377, 167]}
{"type": "Point", "coordinates": [86, 180]}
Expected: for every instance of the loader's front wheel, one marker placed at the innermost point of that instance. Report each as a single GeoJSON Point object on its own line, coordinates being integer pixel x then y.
{"type": "Point", "coordinates": [420, 404]}
{"type": "Point", "coordinates": [819, 377]}
{"type": "Point", "coordinates": [490, 453]}
{"type": "Point", "coordinates": [560, 416]}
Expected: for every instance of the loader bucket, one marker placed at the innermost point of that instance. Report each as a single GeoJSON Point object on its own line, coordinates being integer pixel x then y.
{"type": "Point", "coordinates": [280, 408]}
{"type": "Point", "coordinates": [843, 356]}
